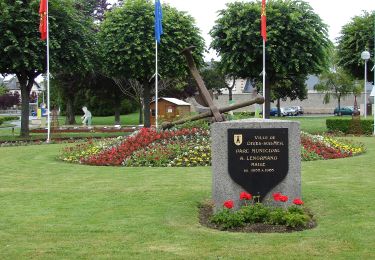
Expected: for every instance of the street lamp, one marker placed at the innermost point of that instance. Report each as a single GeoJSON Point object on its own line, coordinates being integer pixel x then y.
{"type": "Point", "coordinates": [365, 55]}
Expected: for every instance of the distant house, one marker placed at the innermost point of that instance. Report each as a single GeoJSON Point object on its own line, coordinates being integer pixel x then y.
{"type": "Point", "coordinates": [169, 109]}
{"type": "Point", "coordinates": [12, 84]}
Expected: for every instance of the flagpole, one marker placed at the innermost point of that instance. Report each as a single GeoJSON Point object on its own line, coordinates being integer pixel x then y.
{"type": "Point", "coordinates": [263, 32]}
{"type": "Point", "coordinates": [156, 83]}
{"type": "Point", "coordinates": [48, 92]}
{"type": "Point", "coordinates": [264, 78]}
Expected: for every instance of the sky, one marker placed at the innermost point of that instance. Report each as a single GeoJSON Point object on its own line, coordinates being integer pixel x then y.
{"type": "Point", "coordinates": [335, 13]}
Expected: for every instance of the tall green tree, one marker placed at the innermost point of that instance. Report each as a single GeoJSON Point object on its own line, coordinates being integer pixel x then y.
{"type": "Point", "coordinates": [297, 42]}
{"type": "Point", "coordinates": [357, 36]}
{"type": "Point", "coordinates": [24, 54]}
{"type": "Point", "coordinates": [292, 88]}
{"type": "Point", "coordinates": [336, 83]}
{"type": "Point", "coordinates": [128, 45]}
{"type": "Point", "coordinates": [74, 69]}
{"type": "Point", "coordinates": [213, 77]}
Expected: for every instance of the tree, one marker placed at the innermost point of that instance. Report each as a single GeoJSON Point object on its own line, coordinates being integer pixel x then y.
{"type": "Point", "coordinates": [293, 88]}
{"type": "Point", "coordinates": [24, 54]}
{"type": "Point", "coordinates": [357, 91]}
{"type": "Point", "coordinates": [3, 89]}
{"type": "Point", "coordinates": [128, 45]}
{"type": "Point", "coordinates": [297, 42]}
{"type": "Point", "coordinates": [356, 36]}
{"type": "Point", "coordinates": [335, 83]}
{"type": "Point", "coordinates": [134, 90]}
{"type": "Point", "coordinates": [75, 68]}
{"type": "Point", "coordinates": [213, 77]}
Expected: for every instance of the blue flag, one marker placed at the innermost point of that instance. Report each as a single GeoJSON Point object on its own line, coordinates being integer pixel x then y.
{"type": "Point", "coordinates": [158, 21]}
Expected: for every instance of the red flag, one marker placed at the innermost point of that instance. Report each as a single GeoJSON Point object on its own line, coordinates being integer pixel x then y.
{"type": "Point", "coordinates": [263, 30]}
{"type": "Point", "coordinates": [43, 19]}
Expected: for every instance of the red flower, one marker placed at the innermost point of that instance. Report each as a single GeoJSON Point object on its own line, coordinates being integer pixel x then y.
{"type": "Point", "coordinates": [245, 196]}
{"type": "Point", "coordinates": [228, 204]}
{"type": "Point", "coordinates": [283, 198]}
{"type": "Point", "coordinates": [298, 201]}
{"type": "Point", "coordinates": [276, 196]}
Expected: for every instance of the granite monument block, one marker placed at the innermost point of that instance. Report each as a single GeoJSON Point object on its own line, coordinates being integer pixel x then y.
{"type": "Point", "coordinates": [259, 156]}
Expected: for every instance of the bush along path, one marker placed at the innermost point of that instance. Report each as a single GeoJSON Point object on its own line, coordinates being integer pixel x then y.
{"type": "Point", "coordinates": [186, 147]}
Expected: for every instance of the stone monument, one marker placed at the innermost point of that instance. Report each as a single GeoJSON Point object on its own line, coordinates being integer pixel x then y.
{"type": "Point", "coordinates": [259, 156]}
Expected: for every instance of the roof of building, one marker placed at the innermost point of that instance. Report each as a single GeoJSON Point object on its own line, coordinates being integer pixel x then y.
{"type": "Point", "coordinates": [175, 101]}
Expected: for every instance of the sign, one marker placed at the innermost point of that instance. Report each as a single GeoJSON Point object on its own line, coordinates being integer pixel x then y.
{"type": "Point", "coordinates": [258, 158]}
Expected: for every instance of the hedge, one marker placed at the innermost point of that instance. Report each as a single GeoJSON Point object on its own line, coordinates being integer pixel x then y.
{"type": "Point", "coordinates": [350, 126]}
{"type": "Point", "coordinates": [7, 118]}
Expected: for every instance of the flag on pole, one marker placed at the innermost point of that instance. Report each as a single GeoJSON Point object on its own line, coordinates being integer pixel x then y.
{"type": "Point", "coordinates": [158, 21]}
{"type": "Point", "coordinates": [43, 19]}
{"type": "Point", "coordinates": [263, 30]}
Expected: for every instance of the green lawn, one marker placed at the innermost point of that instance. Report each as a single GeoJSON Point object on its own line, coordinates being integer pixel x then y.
{"type": "Point", "coordinates": [7, 134]}
{"type": "Point", "coordinates": [313, 125]}
{"type": "Point", "coordinates": [51, 209]}
{"type": "Point", "coordinates": [130, 119]}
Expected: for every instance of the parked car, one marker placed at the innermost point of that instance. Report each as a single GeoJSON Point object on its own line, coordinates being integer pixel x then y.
{"type": "Point", "coordinates": [299, 109]}
{"type": "Point", "coordinates": [343, 111]}
{"type": "Point", "coordinates": [273, 111]}
{"type": "Point", "coordinates": [290, 111]}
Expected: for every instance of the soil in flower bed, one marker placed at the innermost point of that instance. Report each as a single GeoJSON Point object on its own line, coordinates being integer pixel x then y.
{"type": "Point", "coordinates": [206, 212]}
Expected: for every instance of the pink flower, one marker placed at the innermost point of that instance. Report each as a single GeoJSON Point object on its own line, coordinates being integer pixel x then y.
{"type": "Point", "coordinates": [245, 196]}
{"type": "Point", "coordinates": [228, 204]}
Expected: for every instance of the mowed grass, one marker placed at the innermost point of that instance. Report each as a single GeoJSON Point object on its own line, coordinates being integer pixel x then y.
{"type": "Point", "coordinates": [9, 134]}
{"type": "Point", "coordinates": [312, 125]}
{"type": "Point", "coordinates": [129, 119]}
{"type": "Point", "coordinates": [53, 210]}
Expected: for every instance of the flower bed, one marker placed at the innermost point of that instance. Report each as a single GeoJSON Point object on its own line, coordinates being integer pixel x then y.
{"type": "Point", "coordinates": [254, 216]}
{"type": "Point", "coordinates": [315, 147]}
{"type": "Point", "coordinates": [185, 148]}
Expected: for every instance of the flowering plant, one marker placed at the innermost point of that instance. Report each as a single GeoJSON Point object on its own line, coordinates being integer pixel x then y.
{"type": "Point", "coordinates": [315, 147]}
{"type": "Point", "coordinates": [293, 217]}
{"type": "Point", "coordinates": [228, 204]}
{"type": "Point", "coordinates": [184, 147]}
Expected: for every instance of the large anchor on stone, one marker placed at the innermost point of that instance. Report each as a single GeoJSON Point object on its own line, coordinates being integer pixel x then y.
{"type": "Point", "coordinates": [214, 112]}
{"type": "Point", "coordinates": [205, 95]}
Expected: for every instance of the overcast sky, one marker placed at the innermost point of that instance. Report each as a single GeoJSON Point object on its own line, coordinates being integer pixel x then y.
{"type": "Point", "coordinates": [335, 13]}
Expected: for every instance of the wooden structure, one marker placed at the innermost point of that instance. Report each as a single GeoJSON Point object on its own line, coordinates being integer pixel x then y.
{"type": "Point", "coordinates": [169, 109]}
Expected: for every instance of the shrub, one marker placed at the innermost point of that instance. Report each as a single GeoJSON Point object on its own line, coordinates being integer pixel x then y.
{"type": "Point", "coordinates": [277, 217]}
{"type": "Point", "coordinates": [243, 115]}
{"type": "Point", "coordinates": [227, 219]}
{"type": "Point", "coordinates": [257, 213]}
{"type": "Point", "coordinates": [296, 220]}
{"type": "Point", "coordinates": [9, 100]}
{"type": "Point", "coordinates": [344, 125]}
{"type": "Point", "coordinates": [7, 118]}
